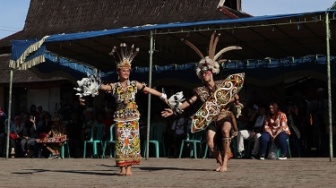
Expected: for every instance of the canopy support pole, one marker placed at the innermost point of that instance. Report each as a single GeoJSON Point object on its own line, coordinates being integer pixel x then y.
{"type": "Point", "coordinates": [151, 51]}
{"type": "Point", "coordinates": [329, 88]}
{"type": "Point", "coordinates": [9, 111]}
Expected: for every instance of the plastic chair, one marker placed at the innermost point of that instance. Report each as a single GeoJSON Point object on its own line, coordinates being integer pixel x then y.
{"type": "Point", "coordinates": [96, 137]}
{"type": "Point", "coordinates": [110, 142]}
{"type": "Point", "coordinates": [193, 140]}
{"type": "Point", "coordinates": [156, 137]}
{"type": "Point", "coordinates": [206, 148]}
{"type": "Point", "coordinates": [289, 153]}
{"type": "Point", "coordinates": [65, 145]}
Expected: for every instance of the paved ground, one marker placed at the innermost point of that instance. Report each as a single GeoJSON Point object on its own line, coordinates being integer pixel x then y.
{"type": "Point", "coordinates": [167, 172]}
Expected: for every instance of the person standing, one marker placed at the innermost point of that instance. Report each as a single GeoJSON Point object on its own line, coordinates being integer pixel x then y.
{"type": "Point", "coordinates": [318, 132]}
{"type": "Point", "coordinates": [225, 120]}
{"type": "Point", "coordinates": [126, 115]}
{"type": "Point", "coordinates": [179, 130]}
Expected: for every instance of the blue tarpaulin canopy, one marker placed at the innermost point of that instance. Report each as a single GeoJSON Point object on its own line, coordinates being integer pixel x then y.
{"type": "Point", "coordinates": [268, 42]}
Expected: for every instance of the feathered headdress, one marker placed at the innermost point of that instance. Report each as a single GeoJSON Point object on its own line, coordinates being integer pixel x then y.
{"type": "Point", "coordinates": [125, 56]}
{"type": "Point", "coordinates": [210, 62]}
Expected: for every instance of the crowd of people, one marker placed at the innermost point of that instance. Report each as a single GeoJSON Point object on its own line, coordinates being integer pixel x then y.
{"type": "Point", "coordinates": [296, 127]}
{"type": "Point", "coordinates": [27, 127]}
{"type": "Point", "coordinates": [303, 119]}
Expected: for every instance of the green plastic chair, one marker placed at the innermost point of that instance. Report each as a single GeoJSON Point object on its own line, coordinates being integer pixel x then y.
{"type": "Point", "coordinates": [96, 137]}
{"type": "Point", "coordinates": [206, 150]}
{"type": "Point", "coordinates": [289, 153]}
{"type": "Point", "coordinates": [156, 137]}
{"type": "Point", "coordinates": [194, 140]}
{"type": "Point", "coordinates": [110, 142]}
{"type": "Point", "coordinates": [65, 146]}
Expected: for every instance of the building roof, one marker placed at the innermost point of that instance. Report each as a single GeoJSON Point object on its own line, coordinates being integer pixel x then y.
{"type": "Point", "coordinates": [48, 17]}
{"type": "Point", "coordinates": [27, 76]}
{"type": "Point", "coordinates": [264, 39]}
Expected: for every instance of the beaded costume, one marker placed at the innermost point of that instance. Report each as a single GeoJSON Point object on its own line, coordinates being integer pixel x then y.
{"type": "Point", "coordinates": [127, 125]}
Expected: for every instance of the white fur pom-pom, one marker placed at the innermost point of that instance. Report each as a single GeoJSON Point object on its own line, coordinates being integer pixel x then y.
{"type": "Point", "coordinates": [88, 86]}
{"type": "Point", "coordinates": [175, 101]}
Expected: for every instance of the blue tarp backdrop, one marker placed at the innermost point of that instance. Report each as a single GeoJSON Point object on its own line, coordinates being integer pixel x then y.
{"type": "Point", "coordinates": [28, 53]}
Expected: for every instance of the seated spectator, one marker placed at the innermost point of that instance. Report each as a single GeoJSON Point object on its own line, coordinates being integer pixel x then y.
{"type": "Point", "coordinates": [56, 136]}
{"type": "Point", "coordinates": [3, 117]}
{"type": "Point", "coordinates": [33, 112]}
{"type": "Point", "coordinates": [179, 129]}
{"type": "Point", "coordinates": [29, 136]}
{"type": "Point", "coordinates": [14, 136]}
{"type": "Point", "coordinates": [40, 119]}
{"type": "Point", "coordinates": [43, 128]}
{"type": "Point", "coordinates": [253, 132]}
{"type": "Point", "coordinates": [74, 128]}
{"type": "Point", "coordinates": [275, 130]}
{"type": "Point", "coordinates": [294, 122]}
{"type": "Point", "coordinates": [88, 122]}
{"type": "Point", "coordinates": [107, 120]}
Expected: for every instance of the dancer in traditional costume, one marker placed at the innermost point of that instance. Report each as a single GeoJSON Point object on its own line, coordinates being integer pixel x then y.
{"type": "Point", "coordinates": [224, 119]}
{"type": "Point", "coordinates": [126, 115]}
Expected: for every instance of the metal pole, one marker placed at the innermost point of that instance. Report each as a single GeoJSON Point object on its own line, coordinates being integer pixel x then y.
{"type": "Point", "coordinates": [151, 50]}
{"type": "Point", "coordinates": [9, 110]}
{"type": "Point", "coordinates": [329, 88]}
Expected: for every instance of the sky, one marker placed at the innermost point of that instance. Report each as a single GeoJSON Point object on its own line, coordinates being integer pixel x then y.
{"type": "Point", "coordinates": [13, 12]}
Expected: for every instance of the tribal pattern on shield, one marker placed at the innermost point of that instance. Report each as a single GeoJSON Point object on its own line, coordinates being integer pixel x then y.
{"type": "Point", "coordinates": [217, 103]}
{"type": "Point", "coordinates": [222, 97]}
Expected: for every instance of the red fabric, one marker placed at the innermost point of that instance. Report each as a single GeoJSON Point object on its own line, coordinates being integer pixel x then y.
{"type": "Point", "coordinates": [43, 135]}
{"type": "Point", "coordinates": [13, 136]}
{"type": "Point", "coordinates": [107, 123]}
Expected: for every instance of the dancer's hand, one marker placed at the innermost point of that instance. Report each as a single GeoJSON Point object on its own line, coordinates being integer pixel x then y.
{"type": "Point", "coordinates": [235, 133]}
{"type": "Point", "coordinates": [82, 101]}
{"type": "Point", "coordinates": [167, 112]}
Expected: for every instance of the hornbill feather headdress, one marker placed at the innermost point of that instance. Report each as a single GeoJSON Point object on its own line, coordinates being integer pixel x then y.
{"type": "Point", "coordinates": [210, 62]}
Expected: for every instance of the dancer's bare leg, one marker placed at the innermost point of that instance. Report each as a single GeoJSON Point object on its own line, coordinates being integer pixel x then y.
{"type": "Point", "coordinates": [226, 145]}
{"type": "Point", "coordinates": [211, 144]}
{"type": "Point", "coordinates": [226, 154]}
{"type": "Point", "coordinates": [129, 170]}
{"type": "Point", "coordinates": [122, 170]}
{"type": "Point", "coordinates": [218, 155]}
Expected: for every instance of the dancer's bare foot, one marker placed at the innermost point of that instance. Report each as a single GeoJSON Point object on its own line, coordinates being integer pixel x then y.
{"type": "Point", "coordinates": [129, 170]}
{"type": "Point", "coordinates": [224, 165]}
{"type": "Point", "coordinates": [223, 168]}
{"type": "Point", "coordinates": [218, 168]}
{"type": "Point", "coordinates": [122, 171]}
{"type": "Point", "coordinates": [219, 160]}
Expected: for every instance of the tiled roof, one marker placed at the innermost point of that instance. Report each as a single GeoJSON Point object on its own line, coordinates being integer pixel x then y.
{"type": "Point", "coordinates": [47, 17]}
